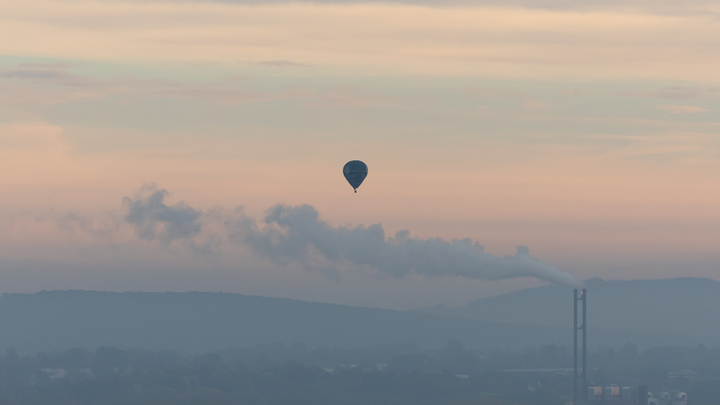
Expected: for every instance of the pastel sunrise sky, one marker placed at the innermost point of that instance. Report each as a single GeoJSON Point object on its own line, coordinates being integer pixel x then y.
{"type": "Point", "coordinates": [589, 134]}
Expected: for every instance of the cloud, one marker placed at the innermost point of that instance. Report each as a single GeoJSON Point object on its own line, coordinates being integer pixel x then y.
{"type": "Point", "coordinates": [675, 93]}
{"type": "Point", "coordinates": [75, 220]}
{"type": "Point", "coordinates": [296, 234]}
{"type": "Point", "coordinates": [153, 219]}
{"type": "Point", "coordinates": [525, 99]}
{"type": "Point", "coordinates": [46, 74]}
{"type": "Point", "coordinates": [54, 83]}
{"type": "Point", "coordinates": [571, 92]}
{"type": "Point", "coordinates": [532, 104]}
{"type": "Point", "coordinates": [292, 230]}
{"type": "Point", "coordinates": [46, 84]}
{"type": "Point", "coordinates": [279, 63]}
{"type": "Point", "coordinates": [218, 94]}
{"type": "Point", "coordinates": [683, 109]}
{"type": "Point", "coordinates": [353, 97]}
{"type": "Point", "coordinates": [478, 39]}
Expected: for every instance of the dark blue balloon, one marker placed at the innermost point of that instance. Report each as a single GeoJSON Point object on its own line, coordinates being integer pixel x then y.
{"type": "Point", "coordinates": [355, 172]}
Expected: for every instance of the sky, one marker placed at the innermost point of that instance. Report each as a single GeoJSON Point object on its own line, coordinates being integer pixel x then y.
{"type": "Point", "coordinates": [198, 145]}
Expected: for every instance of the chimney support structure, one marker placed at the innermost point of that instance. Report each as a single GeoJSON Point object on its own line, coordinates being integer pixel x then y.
{"type": "Point", "coordinates": [580, 397]}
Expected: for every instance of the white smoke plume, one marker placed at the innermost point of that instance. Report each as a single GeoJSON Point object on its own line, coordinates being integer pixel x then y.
{"type": "Point", "coordinates": [153, 218]}
{"type": "Point", "coordinates": [297, 234]}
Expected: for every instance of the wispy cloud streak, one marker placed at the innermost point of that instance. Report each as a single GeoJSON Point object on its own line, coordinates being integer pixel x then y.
{"type": "Point", "coordinates": [610, 40]}
{"type": "Point", "coordinates": [676, 93]}
{"type": "Point", "coordinates": [683, 109]}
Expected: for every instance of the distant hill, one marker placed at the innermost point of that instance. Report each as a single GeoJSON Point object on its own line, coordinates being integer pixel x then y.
{"type": "Point", "coordinates": [195, 322]}
{"type": "Point", "coordinates": [685, 306]}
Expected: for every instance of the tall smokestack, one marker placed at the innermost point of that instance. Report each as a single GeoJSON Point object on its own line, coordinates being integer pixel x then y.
{"type": "Point", "coordinates": [575, 347]}
{"type": "Point", "coordinates": [584, 347]}
{"type": "Point", "coordinates": [577, 327]}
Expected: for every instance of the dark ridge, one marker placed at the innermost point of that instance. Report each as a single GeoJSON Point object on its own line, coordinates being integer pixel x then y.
{"type": "Point", "coordinates": [685, 306]}
{"type": "Point", "coordinates": [196, 322]}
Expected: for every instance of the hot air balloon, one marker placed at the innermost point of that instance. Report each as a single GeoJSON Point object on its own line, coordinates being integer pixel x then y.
{"type": "Point", "coordinates": [355, 172]}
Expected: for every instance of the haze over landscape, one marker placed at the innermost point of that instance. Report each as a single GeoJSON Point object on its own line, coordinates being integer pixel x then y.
{"type": "Point", "coordinates": [196, 322]}
{"type": "Point", "coordinates": [171, 181]}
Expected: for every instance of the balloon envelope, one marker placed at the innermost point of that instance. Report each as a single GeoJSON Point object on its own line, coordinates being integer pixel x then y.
{"type": "Point", "coordinates": [355, 172]}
